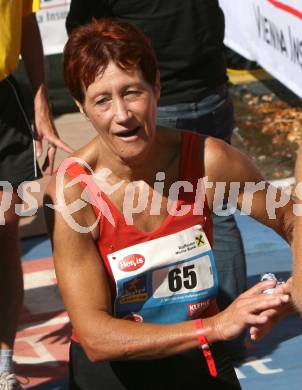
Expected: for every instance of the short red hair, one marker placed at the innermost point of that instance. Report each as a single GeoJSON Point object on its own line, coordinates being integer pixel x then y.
{"type": "Point", "coordinates": [91, 47]}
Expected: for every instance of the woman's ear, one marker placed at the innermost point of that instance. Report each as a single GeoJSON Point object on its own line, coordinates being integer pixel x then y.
{"type": "Point", "coordinates": [80, 106]}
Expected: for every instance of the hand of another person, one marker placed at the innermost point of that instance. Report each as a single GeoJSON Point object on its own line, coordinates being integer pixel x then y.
{"type": "Point", "coordinates": [32, 55]}
{"type": "Point", "coordinates": [45, 130]}
{"type": "Point", "coordinates": [252, 308]}
{"type": "Point", "coordinates": [257, 332]}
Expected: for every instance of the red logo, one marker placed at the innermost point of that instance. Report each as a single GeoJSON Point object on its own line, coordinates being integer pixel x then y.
{"type": "Point", "coordinates": [131, 263]}
{"type": "Point", "coordinates": [198, 307]}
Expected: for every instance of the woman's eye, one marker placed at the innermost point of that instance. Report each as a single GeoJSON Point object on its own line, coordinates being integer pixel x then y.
{"type": "Point", "coordinates": [102, 101]}
{"type": "Point", "coordinates": [132, 92]}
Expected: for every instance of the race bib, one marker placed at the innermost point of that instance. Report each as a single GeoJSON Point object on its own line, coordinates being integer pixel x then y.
{"type": "Point", "coordinates": [165, 280]}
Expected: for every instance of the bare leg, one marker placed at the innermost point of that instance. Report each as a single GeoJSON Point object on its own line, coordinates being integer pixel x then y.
{"type": "Point", "coordinates": [11, 277]}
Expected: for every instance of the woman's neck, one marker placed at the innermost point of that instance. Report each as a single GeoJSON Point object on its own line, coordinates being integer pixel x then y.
{"type": "Point", "coordinates": [158, 158]}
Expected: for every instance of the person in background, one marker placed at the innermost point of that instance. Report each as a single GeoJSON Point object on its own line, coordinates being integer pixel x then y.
{"type": "Point", "coordinates": [140, 287]}
{"type": "Point", "coordinates": [20, 144]}
{"type": "Point", "coordinates": [187, 37]}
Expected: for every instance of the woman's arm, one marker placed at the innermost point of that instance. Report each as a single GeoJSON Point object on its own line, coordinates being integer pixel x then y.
{"type": "Point", "coordinates": [254, 196]}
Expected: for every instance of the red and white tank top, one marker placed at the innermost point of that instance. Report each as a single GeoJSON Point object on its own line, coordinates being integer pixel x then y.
{"type": "Point", "coordinates": [167, 275]}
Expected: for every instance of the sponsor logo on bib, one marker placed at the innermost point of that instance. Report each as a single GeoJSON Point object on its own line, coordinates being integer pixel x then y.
{"type": "Point", "coordinates": [134, 290]}
{"type": "Point", "coordinates": [198, 307]}
{"type": "Point", "coordinates": [200, 241]}
{"type": "Point", "coordinates": [131, 263]}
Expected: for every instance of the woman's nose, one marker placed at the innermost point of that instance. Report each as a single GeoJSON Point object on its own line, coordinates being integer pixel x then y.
{"type": "Point", "coordinates": [122, 113]}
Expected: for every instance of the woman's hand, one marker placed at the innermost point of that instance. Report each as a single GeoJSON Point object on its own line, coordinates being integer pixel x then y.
{"type": "Point", "coordinates": [257, 332]}
{"type": "Point", "coordinates": [252, 308]}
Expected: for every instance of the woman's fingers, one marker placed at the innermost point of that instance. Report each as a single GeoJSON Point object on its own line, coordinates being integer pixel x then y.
{"type": "Point", "coordinates": [252, 309]}
{"type": "Point", "coordinates": [244, 312]}
{"type": "Point", "coordinates": [285, 287]}
{"type": "Point", "coordinates": [259, 288]}
{"type": "Point", "coordinates": [257, 332]}
{"type": "Point", "coordinates": [270, 313]}
{"type": "Point", "coordinates": [261, 303]}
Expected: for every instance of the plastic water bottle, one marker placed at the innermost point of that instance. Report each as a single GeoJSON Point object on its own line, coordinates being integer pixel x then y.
{"type": "Point", "coordinates": [270, 276]}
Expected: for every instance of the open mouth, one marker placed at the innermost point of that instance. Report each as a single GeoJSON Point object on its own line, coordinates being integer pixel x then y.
{"type": "Point", "coordinates": [129, 133]}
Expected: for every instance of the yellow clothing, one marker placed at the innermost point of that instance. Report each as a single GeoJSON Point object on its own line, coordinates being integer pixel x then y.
{"type": "Point", "coordinates": [11, 14]}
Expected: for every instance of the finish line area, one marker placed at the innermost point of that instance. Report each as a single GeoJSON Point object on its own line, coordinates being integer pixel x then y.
{"type": "Point", "coordinates": [41, 349]}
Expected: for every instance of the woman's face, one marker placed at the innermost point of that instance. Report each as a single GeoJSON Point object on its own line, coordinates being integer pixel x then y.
{"type": "Point", "coordinates": [121, 105]}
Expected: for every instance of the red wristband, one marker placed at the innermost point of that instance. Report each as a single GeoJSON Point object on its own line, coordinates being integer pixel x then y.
{"type": "Point", "coordinates": [204, 346]}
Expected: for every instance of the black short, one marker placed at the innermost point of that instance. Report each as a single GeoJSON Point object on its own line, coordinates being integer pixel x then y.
{"type": "Point", "coordinates": [17, 152]}
{"type": "Point", "coordinates": [180, 372]}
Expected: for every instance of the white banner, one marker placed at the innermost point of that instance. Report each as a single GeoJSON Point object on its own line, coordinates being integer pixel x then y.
{"type": "Point", "coordinates": [269, 32]}
{"type": "Point", "coordinates": [51, 19]}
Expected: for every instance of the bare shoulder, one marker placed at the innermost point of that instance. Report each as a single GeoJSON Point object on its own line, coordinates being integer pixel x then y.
{"type": "Point", "coordinates": [62, 192]}
{"type": "Point", "coordinates": [223, 161]}
{"type": "Point", "coordinates": [88, 153]}
{"type": "Point", "coordinates": [57, 196]}
{"type": "Point", "coordinates": [85, 156]}
{"type": "Point", "coordinates": [216, 154]}
{"type": "Point", "coordinates": [215, 149]}
{"type": "Point", "coordinates": [58, 187]}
